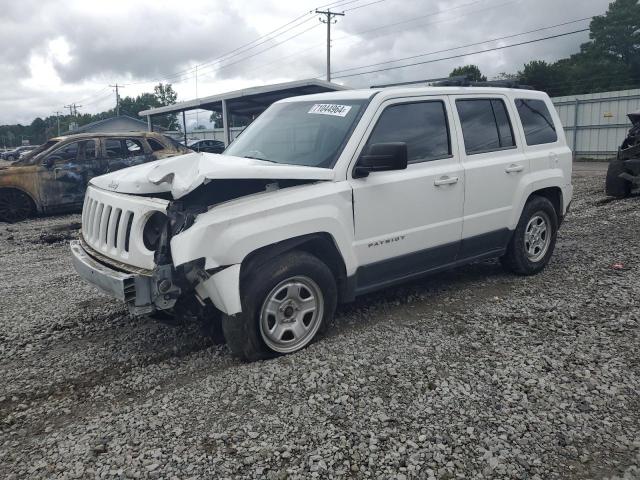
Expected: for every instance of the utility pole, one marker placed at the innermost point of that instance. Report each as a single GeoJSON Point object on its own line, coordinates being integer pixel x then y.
{"type": "Point", "coordinates": [329, 20]}
{"type": "Point", "coordinates": [73, 109]}
{"type": "Point", "coordinates": [197, 119]}
{"type": "Point", "coordinates": [58, 120]}
{"type": "Point", "coordinates": [116, 86]}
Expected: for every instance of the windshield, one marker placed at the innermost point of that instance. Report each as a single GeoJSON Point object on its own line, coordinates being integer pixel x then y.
{"type": "Point", "coordinates": [45, 146]}
{"type": "Point", "coordinates": [299, 133]}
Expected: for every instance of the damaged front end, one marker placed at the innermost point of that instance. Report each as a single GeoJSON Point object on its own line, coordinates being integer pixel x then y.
{"type": "Point", "coordinates": [126, 247]}
{"type": "Point", "coordinates": [623, 174]}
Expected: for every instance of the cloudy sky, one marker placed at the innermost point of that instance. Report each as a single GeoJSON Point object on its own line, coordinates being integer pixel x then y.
{"type": "Point", "coordinates": [56, 52]}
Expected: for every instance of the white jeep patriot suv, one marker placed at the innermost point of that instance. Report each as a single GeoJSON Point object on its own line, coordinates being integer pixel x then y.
{"type": "Point", "coordinates": [326, 197]}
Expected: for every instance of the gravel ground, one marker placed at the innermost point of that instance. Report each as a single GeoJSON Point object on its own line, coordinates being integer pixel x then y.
{"type": "Point", "coordinates": [468, 374]}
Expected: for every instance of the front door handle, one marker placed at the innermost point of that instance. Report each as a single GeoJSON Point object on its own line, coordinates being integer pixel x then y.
{"type": "Point", "coordinates": [446, 180]}
{"type": "Point", "coordinates": [514, 168]}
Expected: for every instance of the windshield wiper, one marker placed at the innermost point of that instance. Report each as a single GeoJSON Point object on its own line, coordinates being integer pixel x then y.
{"type": "Point", "coordinates": [258, 158]}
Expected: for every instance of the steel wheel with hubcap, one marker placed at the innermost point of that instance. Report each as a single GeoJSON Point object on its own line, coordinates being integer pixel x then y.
{"type": "Point", "coordinates": [287, 301]}
{"type": "Point", "coordinates": [14, 205]}
{"type": "Point", "coordinates": [534, 238]}
{"type": "Point", "coordinates": [291, 314]}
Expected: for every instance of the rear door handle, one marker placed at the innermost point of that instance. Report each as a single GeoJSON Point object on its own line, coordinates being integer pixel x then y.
{"type": "Point", "coordinates": [514, 168]}
{"type": "Point", "coordinates": [446, 180]}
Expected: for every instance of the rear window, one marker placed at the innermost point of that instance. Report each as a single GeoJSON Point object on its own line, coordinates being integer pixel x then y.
{"type": "Point", "coordinates": [155, 145]}
{"type": "Point", "coordinates": [536, 121]}
{"type": "Point", "coordinates": [485, 125]}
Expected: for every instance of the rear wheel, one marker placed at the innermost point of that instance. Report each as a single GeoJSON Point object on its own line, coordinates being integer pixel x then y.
{"type": "Point", "coordinates": [15, 205]}
{"type": "Point", "coordinates": [286, 302]}
{"type": "Point", "coordinates": [615, 186]}
{"type": "Point", "coordinates": [534, 239]}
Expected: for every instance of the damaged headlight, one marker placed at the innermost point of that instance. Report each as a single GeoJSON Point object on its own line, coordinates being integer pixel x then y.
{"type": "Point", "coordinates": [153, 229]}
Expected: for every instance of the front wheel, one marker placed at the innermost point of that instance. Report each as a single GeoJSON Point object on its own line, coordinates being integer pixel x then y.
{"type": "Point", "coordinates": [15, 205]}
{"type": "Point", "coordinates": [534, 239]}
{"type": "Point", "coordinates": [286, 302]}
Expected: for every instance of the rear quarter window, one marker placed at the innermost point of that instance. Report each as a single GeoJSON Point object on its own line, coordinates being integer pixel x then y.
{"type": "Point", "coordinates": [155, 145]}
{"type": "Point", "coordinates": [536, 121]}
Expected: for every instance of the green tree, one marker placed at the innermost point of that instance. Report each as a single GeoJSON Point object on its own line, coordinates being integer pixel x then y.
{"type": "Point", "coordinates": [216, 119]}
{"type": "Point", "coordinates": [471, 72]}
{"type": "Point", "coordinates": [616, 34]}
{"type": "Point", "coordinates": [166, 95]}
{"type": "Point", "coordinates": [541, 75]}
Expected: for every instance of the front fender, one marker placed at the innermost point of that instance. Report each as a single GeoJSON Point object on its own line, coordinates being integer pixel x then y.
{"type": "Point", "coordinates": [226, 234]}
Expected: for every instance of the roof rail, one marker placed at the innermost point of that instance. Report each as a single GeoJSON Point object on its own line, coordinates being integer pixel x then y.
{"type": "Point", "coordinates": [451, 82]}
{"type": "Point", "coordinates": [427, 82]}
{"type": "Point", "coordinates": [460, 81]}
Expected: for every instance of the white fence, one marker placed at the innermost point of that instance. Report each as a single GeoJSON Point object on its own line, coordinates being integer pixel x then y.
{"type": "Point", "coordinates": [596, 124]}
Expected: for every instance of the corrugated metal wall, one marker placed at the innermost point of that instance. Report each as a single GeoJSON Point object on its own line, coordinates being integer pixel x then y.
{"type": "Point", "coordinates": [596, 124]}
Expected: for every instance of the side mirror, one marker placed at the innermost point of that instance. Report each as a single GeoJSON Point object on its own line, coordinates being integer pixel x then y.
{"type": "Point", "coordinates": [382, 157]}
{"type": "Point", "coordinates": [48, 162]}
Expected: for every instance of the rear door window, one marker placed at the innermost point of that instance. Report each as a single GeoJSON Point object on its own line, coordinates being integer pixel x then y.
{"type": "Point", "coordinates": [115, 148]}
{"type": "Point", "coordinates": [134, 146]}
{"type": "Point", "coordinates": [485, 125]}
{"type": "Point", "coordinates": [90, 149]}
{"type": "Point", "coordinates": [536, 121]}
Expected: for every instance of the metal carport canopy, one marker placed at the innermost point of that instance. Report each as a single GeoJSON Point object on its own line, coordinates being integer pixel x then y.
{"type": "Point", "coordinates": [248, 101]}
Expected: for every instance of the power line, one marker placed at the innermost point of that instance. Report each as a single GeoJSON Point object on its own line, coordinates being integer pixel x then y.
{"type": "Point", "coordinates": [464, 54]}
{"type": "Point", "coordinates": [365, 5]}
{"type": "Point", "coordinates": [222, 67]}
{"type": "Point", "coordinates": [464, 46]}
{"type": "Point", "coordinates": [239, 50]}
{"type": "Point", "coordinates": [432, 14]}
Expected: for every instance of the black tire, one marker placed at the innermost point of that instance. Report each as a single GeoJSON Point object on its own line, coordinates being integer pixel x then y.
{"type": "Point", "coordinates": [615, 186]}
{"type": "Point", "coordinates": [188, 310]}
{"type": "Point", "coordinates": [243, 331]}
{"type": "Point", "coordinates": [517, 258]}
{"type": "Point", "coordinates": [15, 205]}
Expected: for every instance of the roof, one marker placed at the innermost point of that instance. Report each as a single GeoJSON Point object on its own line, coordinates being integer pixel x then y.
{"type": "Point", "coordinates": [98, 123]}
{"type": "Point", "coordinates": [364, 94]}
{"type": "Point", "coordinates": [249, 101]}
{"type": "Point", "coordinates": [80, 136]}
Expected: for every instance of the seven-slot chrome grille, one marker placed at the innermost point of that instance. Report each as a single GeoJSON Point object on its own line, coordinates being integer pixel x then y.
{"type": "Point", "coordinates": [112, 224]}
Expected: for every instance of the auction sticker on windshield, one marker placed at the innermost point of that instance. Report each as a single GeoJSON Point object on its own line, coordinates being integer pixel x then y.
{"type": "Point", "coordinates": [330, 109]}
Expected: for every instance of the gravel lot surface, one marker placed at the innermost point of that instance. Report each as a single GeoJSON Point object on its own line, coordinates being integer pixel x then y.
{"type": "Point", "coordinates": [468, 374]}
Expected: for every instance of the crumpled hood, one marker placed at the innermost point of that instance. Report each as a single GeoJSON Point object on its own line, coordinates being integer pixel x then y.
{"type": "Point", "coordinates": [184, 173]}
{"type": "Point", "coordinates": [634, 117]}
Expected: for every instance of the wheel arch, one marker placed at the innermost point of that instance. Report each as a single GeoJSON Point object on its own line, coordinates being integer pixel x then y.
{"type": "Point", "coordinates": [554, 195]}
{"type": "Point", "coordinates": [37, 207]}
{"type": "Point", "coordinates": [321, 244]}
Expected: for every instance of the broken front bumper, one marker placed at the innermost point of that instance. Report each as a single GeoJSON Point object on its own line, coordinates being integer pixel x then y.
{"type": "Point", "coordinates": [137, 290]}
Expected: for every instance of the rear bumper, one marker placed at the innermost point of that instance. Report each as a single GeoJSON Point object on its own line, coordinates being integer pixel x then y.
{"type": "Point", "coordinates": [133, 289]}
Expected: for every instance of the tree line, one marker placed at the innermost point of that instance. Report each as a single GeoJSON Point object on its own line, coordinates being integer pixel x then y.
{"type": "Point", "coordinates": [610, 60]}
{"type": "Point", "coordinates": [42, 129]}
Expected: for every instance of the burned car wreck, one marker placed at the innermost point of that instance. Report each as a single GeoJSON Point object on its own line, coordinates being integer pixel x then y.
{"type": "Point", "coordinates": [623, 174]}
{"type": "Point", "coordinates": [54, 177]}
